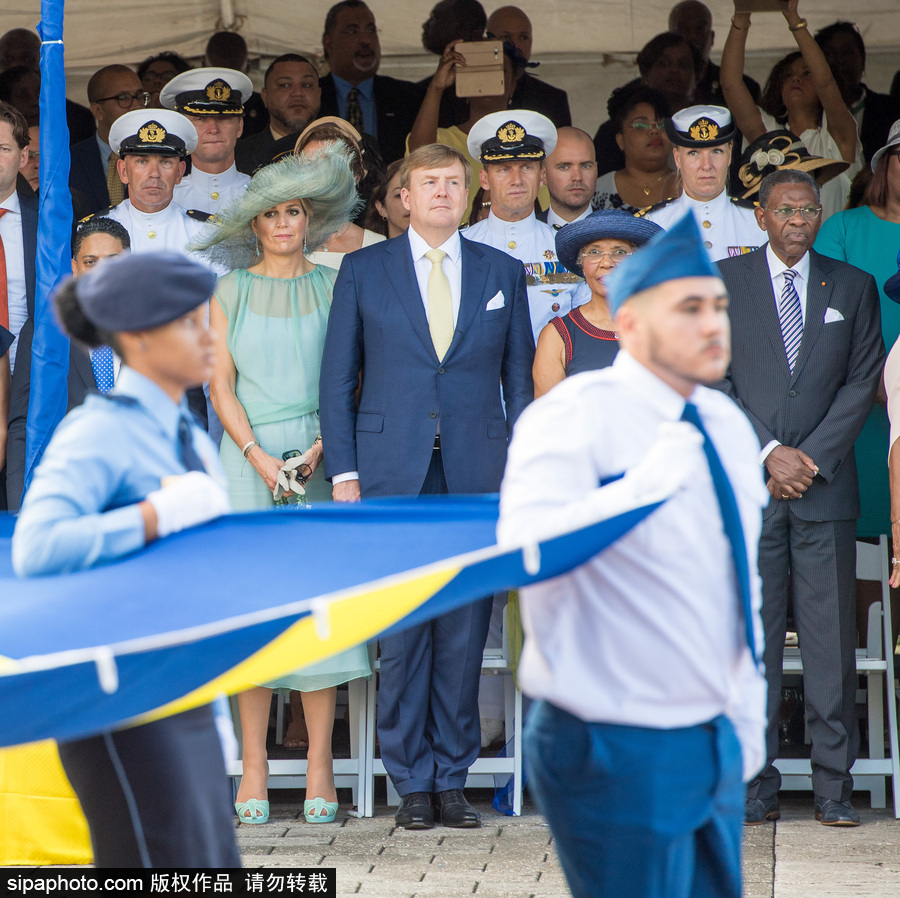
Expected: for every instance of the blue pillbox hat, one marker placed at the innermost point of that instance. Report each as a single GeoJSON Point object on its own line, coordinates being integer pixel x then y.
{"type": "Point", "coordinates": [140, 291]}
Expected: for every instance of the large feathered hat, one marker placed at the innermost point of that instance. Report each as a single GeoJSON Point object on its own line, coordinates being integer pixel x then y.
{"type": "Point", "coordinates": [323, 180]}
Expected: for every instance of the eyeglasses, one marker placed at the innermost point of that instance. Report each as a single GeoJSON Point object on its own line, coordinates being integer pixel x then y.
{"type": "Point", "coordinates": [304, 471]}
{"type": "Point", "coordinates": [355, 30]}
{"type": "Point", "coordinates": [658, 125]}
{"type": "Point", "coordinates": [595, 255]}
{"type": "Point", "coordinates": [784, 213]}
{"type": "Point", "coordinates": [125, 99]}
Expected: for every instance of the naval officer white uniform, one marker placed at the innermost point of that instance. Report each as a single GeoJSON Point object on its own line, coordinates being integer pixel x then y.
{"type": "Point", "coordinates": [703, 141]}
{"type": "Point", "coordinates": [501, 141]}
{"type": "Point", "coordinates": [152, 144]}
{"type": "Point", "coordinates": [213, 99]}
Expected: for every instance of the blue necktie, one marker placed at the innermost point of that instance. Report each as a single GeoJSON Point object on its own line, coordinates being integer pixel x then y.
{"type": "Point", "coordinates": [790, 316]}
{"type": "Point", "coordinates": [731, 520]}
{"type": "Point", "coordinates": [186, 447]}
{"type": "Point", "coordinates": [104, 370]}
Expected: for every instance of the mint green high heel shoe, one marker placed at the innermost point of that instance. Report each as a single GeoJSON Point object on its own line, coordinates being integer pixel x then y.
{"type": "Point", "coordinates": [253, 805]}
{"type": "Point", "coordinates": [312, 810]}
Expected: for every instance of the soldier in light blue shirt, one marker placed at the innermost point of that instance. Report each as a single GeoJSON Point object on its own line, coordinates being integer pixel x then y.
{"type": "Point", "coordinates": [122, 470]}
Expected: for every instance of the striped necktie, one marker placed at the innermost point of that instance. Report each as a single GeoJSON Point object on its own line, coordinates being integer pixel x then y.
{"type": "Point", "coordinates": [354, 110]}
{"type": "Point", "coordinates": [731, 521]}
{"type": "Point", "coordinates": [790, 315]}
{"type": "Point", "coordinates": [440, 304]}
{"type": "Point", "coordinates": [113, 182]}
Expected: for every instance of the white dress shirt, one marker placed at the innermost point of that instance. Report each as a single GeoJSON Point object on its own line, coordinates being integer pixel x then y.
{"type": "Point", "coordinates": [727, 228]}
{"type": "Point", "coordinates": [451, 264]}
{"type": "Point", "coordinates": [210, 193]}
{"type": "Point", "coordinates": [556, 222]}
{"type": "Point", "coordinates": [649, 632]}
{"type": "Point", "coordinates": [14, 248]}
{"type": "Point", "coordinates": [777, 269]}
{"type": "Point", "coordinates": [532, 242]}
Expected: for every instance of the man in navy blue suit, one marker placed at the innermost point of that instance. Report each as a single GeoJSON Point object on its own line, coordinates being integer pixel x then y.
{"type": "Point", "coordinates": [436, 324]}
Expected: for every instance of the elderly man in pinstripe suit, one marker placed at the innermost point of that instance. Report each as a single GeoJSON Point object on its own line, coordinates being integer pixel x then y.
{"type": "Point", "coordinates": [807, 358]}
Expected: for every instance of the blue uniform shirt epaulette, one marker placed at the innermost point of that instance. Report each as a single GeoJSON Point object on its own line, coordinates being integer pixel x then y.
{"type": "Point", "coordinates": [197, 215]}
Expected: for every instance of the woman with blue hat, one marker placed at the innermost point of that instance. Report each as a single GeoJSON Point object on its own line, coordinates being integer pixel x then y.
{"type": "Point", "coordinates": [122, 470]}
{"type": "Point", "coordinates": [585, 339]}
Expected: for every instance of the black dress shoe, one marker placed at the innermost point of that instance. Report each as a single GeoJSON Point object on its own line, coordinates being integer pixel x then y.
{"type": "Point", "coordinates": [757, 811]}
{"type": "Point", "coordinates": [835, 813]}
{"type": "Point", "coordinates": [415, 811]}
{"type": "Point", "coordinates": [452, 809]}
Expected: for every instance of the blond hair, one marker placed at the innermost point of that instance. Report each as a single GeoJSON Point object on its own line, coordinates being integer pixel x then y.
{"type": "Point", "coordinates": [433, 155]}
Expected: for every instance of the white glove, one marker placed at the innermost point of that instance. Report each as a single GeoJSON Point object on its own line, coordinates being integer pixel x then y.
{"type": "Point", "coordinates": [670, 463]}
{"type": "Point", "coordinates": [191, 499]}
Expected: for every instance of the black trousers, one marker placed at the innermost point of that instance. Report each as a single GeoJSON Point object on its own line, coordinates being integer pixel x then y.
{"type": "Point", "coordinates": [155, 795]}
{"type": "Point", "coordinates": [817, 561]}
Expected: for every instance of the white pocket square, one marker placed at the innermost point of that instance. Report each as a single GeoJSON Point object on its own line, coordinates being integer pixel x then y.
{"type": "Point", "coordinates": [832, 315]}
{"type": "Point", "coordinates": [496, 302]}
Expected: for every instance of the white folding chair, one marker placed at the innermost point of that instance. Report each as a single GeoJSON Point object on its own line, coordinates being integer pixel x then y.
{"type": "Point", "coordinates": [482, 771]}
{"type": "Point", "coordinates": [875, 661]}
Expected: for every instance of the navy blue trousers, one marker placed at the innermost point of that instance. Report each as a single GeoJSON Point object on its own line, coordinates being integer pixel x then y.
{"type": "Point", "coordinates": [636, 811]}
{"type": "Point", "coordinates": [156, 795]}
{"type": "Point", "coordinates": [428, 725]}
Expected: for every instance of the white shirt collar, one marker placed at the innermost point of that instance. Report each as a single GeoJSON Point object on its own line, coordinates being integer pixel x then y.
{"type": "Point", "coordinates": [203, 176]}
{"type": "Point", "coordinates": [162, 212]}
{"type": "Point", "coordinates": [716, 200]}
{"type": "Point", "coordinates": [11, 203]}
{"type": "Point", "coordinates": [668, 402]}
{"type": "Point", "coordinates": [777, 267]}
{"type": "Point", "coordinates": [554, 219]}
{"type": "Point", "coordinates": [451, 246]}
{"type": "Point", "coordinates": [499, 226]}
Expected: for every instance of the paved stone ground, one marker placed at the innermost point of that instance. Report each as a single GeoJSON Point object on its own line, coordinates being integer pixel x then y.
{"type": "Point", "coordinates": [513, 857]}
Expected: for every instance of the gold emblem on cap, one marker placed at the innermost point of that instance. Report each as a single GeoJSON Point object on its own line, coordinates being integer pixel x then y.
{"type": "Point", "coordinates": [511, 132]}
{"type": "Point", "coordinates": [152, 132]}
{"type": "Point", "coordinates": [704, 129]}
{"type": "Point", "coordinates": [218, 91]}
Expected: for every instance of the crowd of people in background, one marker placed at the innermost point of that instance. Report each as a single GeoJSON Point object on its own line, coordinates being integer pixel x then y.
{"type": "Point", "coordinates": [301, 197]}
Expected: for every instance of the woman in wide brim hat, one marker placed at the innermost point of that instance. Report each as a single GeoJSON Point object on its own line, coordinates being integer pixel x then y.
{"type": "Point", "coordinates": [126, 468]}
{"type": "Point", "coordinates": [270, 318]}
{"type": "Point", "coordinates": [585, 339]}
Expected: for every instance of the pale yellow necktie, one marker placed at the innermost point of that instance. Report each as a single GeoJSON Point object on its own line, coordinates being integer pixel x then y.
{"type": "Point", "coordinates": [113, 183]}
{"type": "Point", "coordinates": [440, 305]}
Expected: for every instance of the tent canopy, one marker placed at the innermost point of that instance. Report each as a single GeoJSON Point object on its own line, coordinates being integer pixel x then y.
{"type": "Point", "coordinates": [103, 31]}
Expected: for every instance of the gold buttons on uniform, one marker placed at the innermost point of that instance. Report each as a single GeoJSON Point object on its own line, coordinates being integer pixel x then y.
{"type": "Point", "coordinates": [215, 195]}
{"type": "Point", "coordinates": [511, 244]}
{"type": "Point", "coordinates": [151, 234]}
{"type": "Point", "coordinates": [707, 244]}
{"type": "Point", "coordinates": [707, 224]}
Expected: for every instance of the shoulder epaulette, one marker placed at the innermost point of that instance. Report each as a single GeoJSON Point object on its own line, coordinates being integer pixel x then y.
{"type": "Point", "coordinates": [197, 215]}
{"type": "Point", "coordinates": [641, 213]}
{"type": "Point", "coordinates": [100, 213]}
{"type": "Point", "coordinates": [744, 204]}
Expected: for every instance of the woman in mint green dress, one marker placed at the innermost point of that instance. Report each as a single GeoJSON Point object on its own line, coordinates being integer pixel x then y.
{"type": "Point", "coordinates": [270, 314]}
{"type": "Point", "coordinates": [869, 238]}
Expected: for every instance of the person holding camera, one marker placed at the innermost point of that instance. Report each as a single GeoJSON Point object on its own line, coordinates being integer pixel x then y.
{"type": "Point", "coordinates": [269, 314]}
